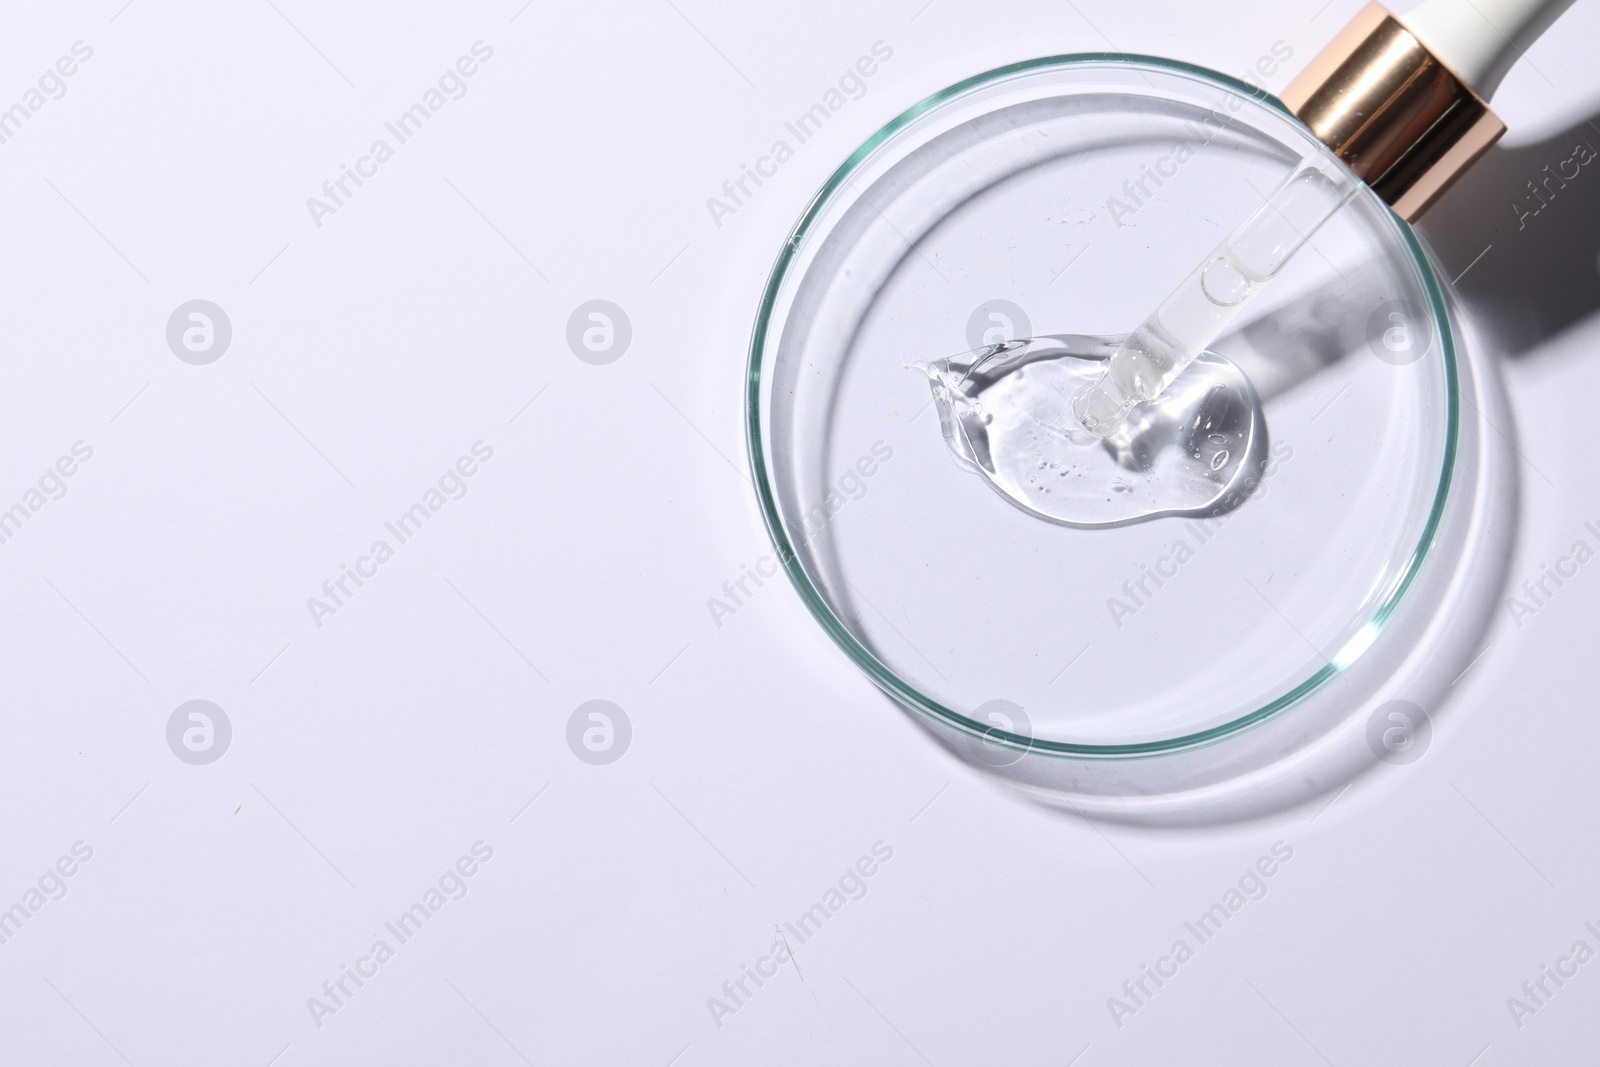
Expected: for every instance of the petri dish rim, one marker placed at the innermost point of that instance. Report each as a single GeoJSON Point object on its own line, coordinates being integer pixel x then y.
{"type": "Point", "coordinates": [885, 678]}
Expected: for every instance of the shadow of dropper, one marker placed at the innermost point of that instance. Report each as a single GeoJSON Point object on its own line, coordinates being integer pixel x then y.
{"type": "Point", "coordinates": [1521, 232]}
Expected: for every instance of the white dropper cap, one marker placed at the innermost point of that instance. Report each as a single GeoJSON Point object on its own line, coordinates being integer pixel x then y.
{"type": "Point", "coordinates": [1479, 40]}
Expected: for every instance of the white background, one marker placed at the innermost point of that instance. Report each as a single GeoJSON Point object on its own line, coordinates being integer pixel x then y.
{"type": "Point", "coordinates": [370, 752]}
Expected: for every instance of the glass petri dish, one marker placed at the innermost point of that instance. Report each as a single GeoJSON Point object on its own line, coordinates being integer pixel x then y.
{"type": "Point", "coordinates": [1069, 194]}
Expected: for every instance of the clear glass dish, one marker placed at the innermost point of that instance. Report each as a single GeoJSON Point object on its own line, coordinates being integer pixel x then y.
{"type": "Point", "coordinates": [1068, 195]}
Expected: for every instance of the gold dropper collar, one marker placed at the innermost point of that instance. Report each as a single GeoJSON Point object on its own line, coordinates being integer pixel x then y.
{"type": "Point", "coordinates": [1394, 114]}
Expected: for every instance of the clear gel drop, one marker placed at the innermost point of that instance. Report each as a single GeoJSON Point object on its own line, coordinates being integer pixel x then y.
{"type": "Point", "coordinates": [1006, 412]}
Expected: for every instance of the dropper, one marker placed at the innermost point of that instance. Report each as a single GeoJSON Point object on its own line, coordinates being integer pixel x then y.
{"type": "Point", "coordinates": [1398, 104]}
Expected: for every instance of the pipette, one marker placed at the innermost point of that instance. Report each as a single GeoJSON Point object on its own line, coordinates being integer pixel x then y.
{"type": "Point", "coordinates": [1399, 104]}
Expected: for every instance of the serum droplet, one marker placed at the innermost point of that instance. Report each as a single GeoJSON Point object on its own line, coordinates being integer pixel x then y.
{"type": "Point", "coordinates": [1173, 456]}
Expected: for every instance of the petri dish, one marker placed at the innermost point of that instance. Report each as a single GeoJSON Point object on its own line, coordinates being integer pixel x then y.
{"type": "Point", "coordinates": [1068, 195]}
